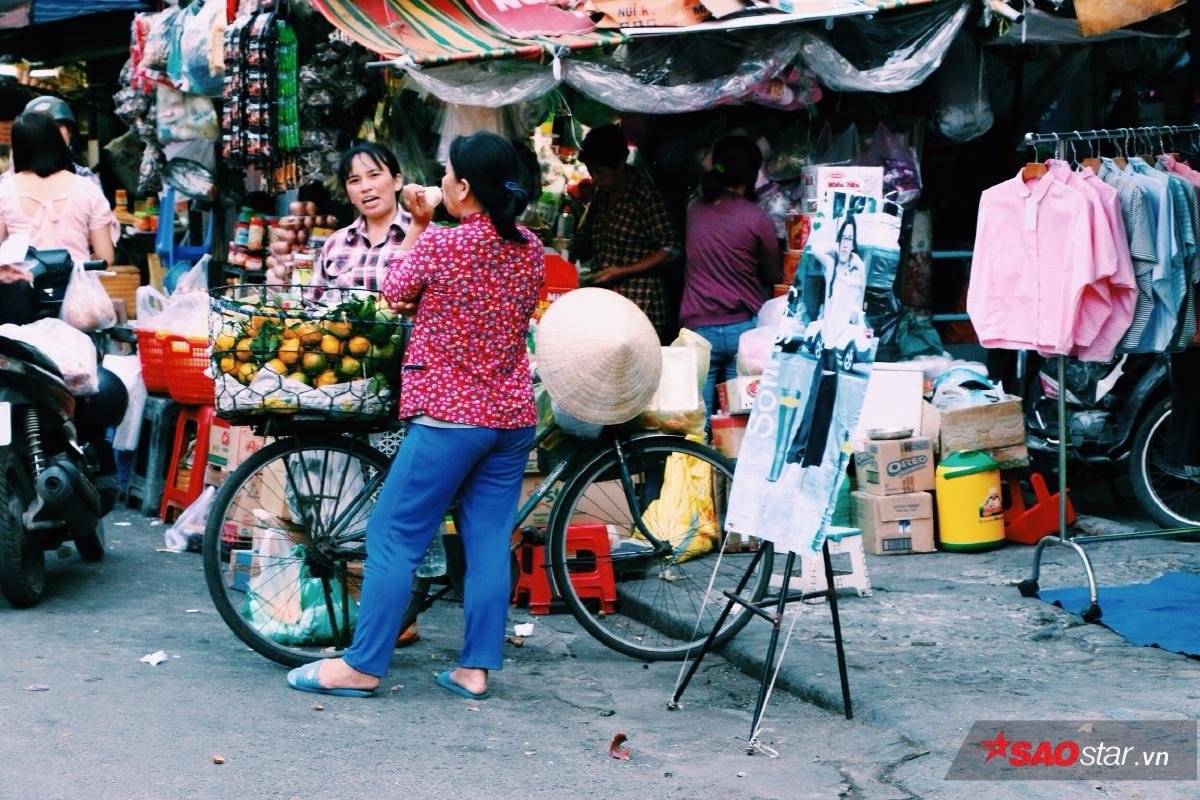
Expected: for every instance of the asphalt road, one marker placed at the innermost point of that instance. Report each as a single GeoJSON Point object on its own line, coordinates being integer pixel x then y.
{"type": "Point", "coordinates": [109, 726]}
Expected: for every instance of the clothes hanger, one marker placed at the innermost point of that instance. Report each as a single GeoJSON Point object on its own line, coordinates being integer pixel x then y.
{"type": "Point", "coordinates": [1033, 169]}
{"type": "Point", "coordinates": [1092, 162]}
{"type": "Point", "coordinates": [1148, 150]}
{"type": "Point", "coordinates": [1122, 157]}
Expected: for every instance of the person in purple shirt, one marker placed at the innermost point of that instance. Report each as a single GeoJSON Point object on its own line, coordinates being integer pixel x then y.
{"type": "Point", "coordinates": [732, 257]}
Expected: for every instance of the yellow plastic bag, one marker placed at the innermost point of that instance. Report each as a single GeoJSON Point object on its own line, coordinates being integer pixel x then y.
{"type": "Point", "coordinates": [684, 513]}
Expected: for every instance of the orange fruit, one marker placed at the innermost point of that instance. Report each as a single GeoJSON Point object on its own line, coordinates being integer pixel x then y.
{"type": "Point", "coordinates": [227, 364]}
{"type": "Point", "coordinates": [310, 333]}
{"type": "Point", "coordinates": [358, 345]}
{"type": "Point", "coordinates": [276, 366]}
{"type": "Point", "coordinates": [246, 372]}
{"type": "Point", "coordinates": [243, 349]}
{"type": "Point", "coordinates": [331, 345]}
{"type": "Point", "coordinates": [325, 378]}
{"type": "Point", "coordinates": [225, 342]}
{"type": "Point", "coordinates": [349, 367]}
{"type": "Point", "coordinates": [313, 362]}
{"type": "Point", "coordinates": [298, 376]}
{"type": "Point", "coordinates": [338, 328]}
{"type": "Point", "coordinates": [289, 351]}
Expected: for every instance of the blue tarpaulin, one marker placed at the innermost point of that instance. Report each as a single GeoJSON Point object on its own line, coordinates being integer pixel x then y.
{"type": "Point", "coordinates": [19, 13]}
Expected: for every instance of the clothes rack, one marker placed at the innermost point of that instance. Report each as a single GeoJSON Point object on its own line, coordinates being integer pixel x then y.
{"type": "Point", "coordinates": [1029, 587]}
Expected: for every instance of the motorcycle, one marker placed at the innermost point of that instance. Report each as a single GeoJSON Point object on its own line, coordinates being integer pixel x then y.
{"type": "Point", "coordinates": [48, 478]}
{"type": "Point", "coordinates": [1119, 414]}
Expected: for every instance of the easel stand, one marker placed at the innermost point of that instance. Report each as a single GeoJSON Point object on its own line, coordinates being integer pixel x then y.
{"type": "Point", "coordinates": [1029, 587]}
{"type": "Point", "coordinates": [771, 608]}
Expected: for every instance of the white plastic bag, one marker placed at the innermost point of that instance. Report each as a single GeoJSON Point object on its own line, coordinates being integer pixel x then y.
{"type": "Point", "coordinates": [86, 306]}
{"type": "Point", "coordinates": [188, 531]}
{"type": "Point", "coordinates": [150, 302]}
{"type": "Point", "coordinates": [754, 350]}
{"type": "Point", "coordinates": [184, 117]}
{"type": "Point", "coordinates": [72, 351]}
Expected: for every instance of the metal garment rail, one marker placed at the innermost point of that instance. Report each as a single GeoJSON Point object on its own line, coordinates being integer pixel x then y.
{"type": "Point", "coordinates": [1029, 587]}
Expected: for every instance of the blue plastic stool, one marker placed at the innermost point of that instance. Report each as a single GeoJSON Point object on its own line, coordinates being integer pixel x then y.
{"type": "Point", "coordinates": [174, 254]}
{"type": "Point", "coordinates": [148, 472]}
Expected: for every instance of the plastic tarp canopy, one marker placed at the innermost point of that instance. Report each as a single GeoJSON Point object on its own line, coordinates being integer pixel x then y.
{"type": "Point", "coordinates": [666, 75]}
{"type": "Point", "coordinates": [1041, 27]}
{"type": "Point", "coordinates": [888, 53]}
{"type": "Point", "coordinates": [19, 13]}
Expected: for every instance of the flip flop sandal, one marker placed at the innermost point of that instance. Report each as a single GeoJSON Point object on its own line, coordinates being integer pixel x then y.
{"type": "Point", "coordinates": [446, 682]}
{"type": "Point", "coordinates": [409, 636]}
{"type": "Point", "coordinates": [305, 679]}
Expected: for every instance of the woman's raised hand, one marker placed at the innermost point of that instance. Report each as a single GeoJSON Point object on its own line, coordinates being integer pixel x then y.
{"type": "Point", "coordinates": [420, 202]}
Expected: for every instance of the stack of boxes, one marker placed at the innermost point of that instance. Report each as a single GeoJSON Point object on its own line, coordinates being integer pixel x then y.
{"type": "Point", "coordinates": [736, 400]}
{"type": "Point", "coordinates": [893, 505]}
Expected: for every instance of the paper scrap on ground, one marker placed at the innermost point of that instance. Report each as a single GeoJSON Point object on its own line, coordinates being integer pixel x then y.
{"type": "Point", "coordinates": [523, 629]}
{"type": "Point", "coordinates": [122, 524]}
{"type": "Point", "coordinates": [155, 658]}
{"type": "Point", "coordinates": [37, 687]}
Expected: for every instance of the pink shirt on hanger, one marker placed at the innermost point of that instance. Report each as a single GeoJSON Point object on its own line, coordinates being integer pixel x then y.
{"type": "Point", "coordinates": [1119, 288]}
{"type": "Point", "coordinates": [1180, 168]}
{"type": "Point", "coordinates": [1033, 259]}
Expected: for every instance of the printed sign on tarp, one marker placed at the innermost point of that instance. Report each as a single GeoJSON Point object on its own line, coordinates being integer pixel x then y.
{"type": "Point", "coordinates": [527, 18]}
{"type": "Point", "coordinates": [797, 443]}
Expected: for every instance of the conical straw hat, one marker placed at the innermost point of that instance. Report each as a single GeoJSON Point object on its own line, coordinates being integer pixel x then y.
{"type": "Point", "coordinates": [598, 356]}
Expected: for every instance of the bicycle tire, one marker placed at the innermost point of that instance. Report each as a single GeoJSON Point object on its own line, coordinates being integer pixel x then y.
{"type": "Point", "coordinates": [1169, 495]}
{"type": "Point", "coordinates": [660, 611]}
{"type": "Point", "coordinates": [261, 617]}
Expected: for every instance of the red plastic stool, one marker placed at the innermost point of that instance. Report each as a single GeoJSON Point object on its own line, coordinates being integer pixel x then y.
{"type": "Point", "coordinates": [592, 580]}
{"type": "Point", "coordinates": [1030, 525]}
{"type": "Point", "coordinates": [200, 418]}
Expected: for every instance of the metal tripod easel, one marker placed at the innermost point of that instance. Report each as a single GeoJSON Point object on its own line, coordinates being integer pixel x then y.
{"type": "Point", "coordinates": [771, 608]}
{"type": "Point", "coordinates": [1029, 587]}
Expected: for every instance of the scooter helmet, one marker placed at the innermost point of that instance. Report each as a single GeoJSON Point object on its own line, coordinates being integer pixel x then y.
{"type": "Point", "coordinates": [56, 107]}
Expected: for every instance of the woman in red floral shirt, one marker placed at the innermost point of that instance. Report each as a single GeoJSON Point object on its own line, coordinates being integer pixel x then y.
{"type": "Point", "coordinates": [468, 392]}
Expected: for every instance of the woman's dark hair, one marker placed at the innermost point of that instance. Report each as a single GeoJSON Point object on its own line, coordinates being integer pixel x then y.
{"type": "Point", "coordinates": [736, 161]}
{"type": "Point", "coordinates": [378, 154]}
{"type": "Point", "coordinates": [489, 163]}
{"type": "Point", "coordinates": [38, 146]}
{"type": "Point", "coordinates": [849, 223]}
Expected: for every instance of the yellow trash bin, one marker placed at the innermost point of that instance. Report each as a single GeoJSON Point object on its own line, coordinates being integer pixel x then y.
{"type": "Point", "coordinates": [970, 505]}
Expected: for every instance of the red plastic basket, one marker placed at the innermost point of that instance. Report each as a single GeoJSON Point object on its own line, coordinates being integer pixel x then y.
{"type": "Point", "coordinates": [186, 360]}
{"type": "Point", "coordinates": [150, 351]}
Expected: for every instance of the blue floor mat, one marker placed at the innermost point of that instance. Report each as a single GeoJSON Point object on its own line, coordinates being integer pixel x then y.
{"type": "Point", "coordinates": [1162, 613]}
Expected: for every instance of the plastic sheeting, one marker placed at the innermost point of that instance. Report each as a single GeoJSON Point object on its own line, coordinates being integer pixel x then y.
{"type": "Point", "coordinates": [895, 53]}
{"type": "Point", "coordinates": [664, 76]}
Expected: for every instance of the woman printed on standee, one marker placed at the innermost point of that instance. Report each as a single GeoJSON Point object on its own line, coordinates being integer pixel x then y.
{"type": "Point", "coordinates": [357, 256]}
{"type": "Point", "coordinates": [732, 258]}
{"type": "Point", "coordinates": [468, 394]}
{"type": "Point", "coordinates": [845, 285]}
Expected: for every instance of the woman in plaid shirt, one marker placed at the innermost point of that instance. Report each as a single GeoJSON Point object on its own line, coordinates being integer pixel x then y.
{"type": "Point", "coordinates": [626, 231]}
{"type": "Point", "coordinates": [357, 256]}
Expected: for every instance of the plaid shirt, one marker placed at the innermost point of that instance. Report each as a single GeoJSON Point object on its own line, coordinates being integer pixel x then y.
{"type": "Point", "coordinates": [623, 226]}
{"type": "Point", "coordinates": [349, 260]}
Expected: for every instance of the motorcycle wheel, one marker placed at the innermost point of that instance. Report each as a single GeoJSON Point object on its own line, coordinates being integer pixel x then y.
{"type": "Point", "coordinates": [1170, 495]}
{"type": "Point", "coordinates": [90, 545]}
{"type": "Point", "coordinates": [22, 561]}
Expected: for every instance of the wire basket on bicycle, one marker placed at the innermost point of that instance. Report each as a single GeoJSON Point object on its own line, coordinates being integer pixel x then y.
{"type": "Point", "coordinates": [317, 351]}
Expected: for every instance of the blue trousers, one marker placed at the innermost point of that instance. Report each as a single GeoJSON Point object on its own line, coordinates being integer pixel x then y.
{"type": "Point", "coordinates": [722, 363]}
{"type": "Point", "coordinates": [482, 467]}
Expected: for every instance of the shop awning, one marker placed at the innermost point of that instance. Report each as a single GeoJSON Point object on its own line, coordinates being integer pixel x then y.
{"type": "Point", "coordinates": [20, 13]}
{"type": "Point", "coordinates": [759, 14]}
{"type": "Point", "coordinates": [430, 32]}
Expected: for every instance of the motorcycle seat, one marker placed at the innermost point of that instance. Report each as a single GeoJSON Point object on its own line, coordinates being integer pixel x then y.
{"type": "Point", "coordinates": [23, 352]}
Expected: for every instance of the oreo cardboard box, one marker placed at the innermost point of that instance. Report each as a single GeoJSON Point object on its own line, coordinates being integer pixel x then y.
{"type": "Point", "coordinates": [895, 466]}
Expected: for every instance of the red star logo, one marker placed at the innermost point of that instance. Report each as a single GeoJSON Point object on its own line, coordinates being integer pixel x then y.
{"type": "Point", "coordinates": [996, 747]}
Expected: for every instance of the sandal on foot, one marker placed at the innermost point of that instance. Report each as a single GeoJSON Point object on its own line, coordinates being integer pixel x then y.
{"type": "Point", "coordinates": [409, 636]}
{"type": "Point", "coordinates": [446, 682]}
{"type": "Point", "coordinates": [307, 679]}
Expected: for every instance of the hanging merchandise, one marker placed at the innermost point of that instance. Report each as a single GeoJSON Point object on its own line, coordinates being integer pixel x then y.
{"type": "Point", "coordinates": [203, 32]}
{"type": "Point", "coordinates": [963, 112]}
{"type": "Point", "coordinates": [184, 117]}
{"type": "Point", "coordinates": [260, 118]}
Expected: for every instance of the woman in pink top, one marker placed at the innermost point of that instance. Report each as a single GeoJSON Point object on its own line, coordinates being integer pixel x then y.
{"type": "Point", "coordinates": [47, 201]}
{"type": "Point", "coordinates": [469, 395]}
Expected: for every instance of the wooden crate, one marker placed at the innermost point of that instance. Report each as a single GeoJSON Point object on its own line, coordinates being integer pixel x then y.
{"type": "Point", "coordinates": [123, 286]}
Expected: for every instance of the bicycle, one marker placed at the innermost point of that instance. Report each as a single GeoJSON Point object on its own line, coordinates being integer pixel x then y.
{"type": "Point", "coordinates": [284, 546]}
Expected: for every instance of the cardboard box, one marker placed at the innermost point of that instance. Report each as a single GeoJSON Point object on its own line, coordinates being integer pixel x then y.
{"type": "Point", "coordinates": [982, 427]}
{"type": "Point", "coordinates": [894, 525]}
{"type": "Point", "coordinates": [222, 442]}
{"type": "Point", "coordinates": [728, 432]}
{"type": "Point", "coordinates": [1014, 457]}
{"type": "Point", "coordinates": [852, 180]}
{"type": "Point", "coordinates": [894, 399]}
{"type": "Point", "coordinates": [540, 516]}
{"type": "Point", "coordinates": [737, 396]}
{"type": "Point", "coordinates": [240, 566]}
{"type": "Point", "coordinates": [895, 466]}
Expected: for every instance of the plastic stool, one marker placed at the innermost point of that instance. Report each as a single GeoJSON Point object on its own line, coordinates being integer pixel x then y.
{"type": "Point", "coordinates": [594, 581]}
{"type": "Point", "coordinates": [1030, 525]}
{"type": "Point", "coordinates": [174, 497]}
{"type": "Point", "coordinates": [148, 472]}
{"type": "Point", "coordinates": [841, 540]}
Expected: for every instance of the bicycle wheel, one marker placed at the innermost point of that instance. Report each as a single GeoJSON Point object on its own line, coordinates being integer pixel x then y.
{"type": "Point", "coordinates": [679, 494]}
{"type": "Point", "coordinates": [284, 545]}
